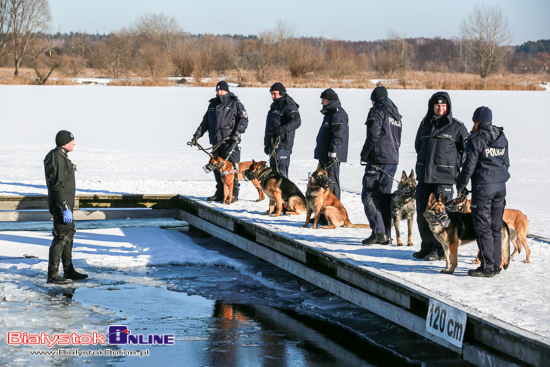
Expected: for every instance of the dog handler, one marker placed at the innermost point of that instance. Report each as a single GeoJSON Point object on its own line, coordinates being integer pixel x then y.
{"type": "Point", "coordinates": [282, 121]}
{"type": "Point", "coordinates": [225, 117]}
{"type": "Point", "coordinates": [333, 138]}
{"type": "Point", "coordinates": [486, 162]}
{"type": "Point", "coordinates": [439, 145]}
{"type": "Point", "coordinates": [380, 154]}
{"type": "Point", "coordinates": [60, 180]}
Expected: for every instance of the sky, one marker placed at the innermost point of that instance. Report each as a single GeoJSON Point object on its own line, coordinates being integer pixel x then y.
{"type": "Point", "coordinates": [355, 20]}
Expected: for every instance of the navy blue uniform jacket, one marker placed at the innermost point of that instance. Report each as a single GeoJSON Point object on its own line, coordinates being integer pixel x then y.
{"type": "Point", "coordinates": [225, 115]}
{"type": "Point", "coordinates": [485, 159]}
{"type": "Point", "coordinates": [383, 134]}
{"type": "Point", "coordinates": [283, 119]}
{"type": "Point", "coordinates": [333, 135]}
{"type": "Point", "coordinates": [439, 145]}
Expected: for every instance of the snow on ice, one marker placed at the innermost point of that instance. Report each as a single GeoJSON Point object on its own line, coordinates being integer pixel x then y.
{"type": "Point", "coordinates": [133, 140]}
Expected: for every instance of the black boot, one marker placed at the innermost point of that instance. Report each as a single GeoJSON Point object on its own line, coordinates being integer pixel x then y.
{"type": "Point", "coordinates": [380, 238]}
{"type": "Point", "coordinates": [71, 273]}
{"type": "Point", "coordinates": [55, 278]}
{"type": "Point", "coordinates": [214, 198]}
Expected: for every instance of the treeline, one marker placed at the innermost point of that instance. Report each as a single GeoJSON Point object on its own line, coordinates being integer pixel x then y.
{"type": "Point", "coordinates": [156, 47]}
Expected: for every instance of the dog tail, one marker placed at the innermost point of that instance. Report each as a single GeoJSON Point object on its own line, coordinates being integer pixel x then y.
{"type": "Point", "coordinates": [505, 245]}
{"type": "Point", "coordinates": [348, 224]}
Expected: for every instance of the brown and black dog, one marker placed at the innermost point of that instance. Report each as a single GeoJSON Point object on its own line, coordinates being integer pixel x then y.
{"type": "Point", "coordinates": [516, 221]}
{"type": "Point", "coordinates": [402, 206]}
{"type": "Point", "coordinates": [454, 229]}
{"type": "Point", "coordinates": [280, 190]}
{"type": "Point", "coordinates": [320, 200]}
{"type": "Point", "coordinates": [227, 172]}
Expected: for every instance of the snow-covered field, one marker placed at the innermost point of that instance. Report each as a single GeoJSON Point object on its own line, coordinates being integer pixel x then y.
{"type": "Point", "coordinates": [132, 140]}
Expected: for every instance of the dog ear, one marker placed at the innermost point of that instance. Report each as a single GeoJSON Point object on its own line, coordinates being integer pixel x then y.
{"type": "Point", "coordinates": [412, 174]}
{"type": "Point", "coordinates": [441, 198]}
{"type": "Point", "coordinates": [431, 200]}
{"type": "Point", "coordinates": [319, 167]}
{"type": "Point", "coordinates": [403, 176]}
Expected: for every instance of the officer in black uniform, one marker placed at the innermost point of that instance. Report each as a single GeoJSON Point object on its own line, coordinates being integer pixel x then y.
{"type": "Point", "coordinates": [225, 118]}
{"type": "Point", "coordinates": [486, 162]}
{"type": "Point", "coordinates": [282, 121]}
{"type": "Point", "coordinates": [60, 180]}
{"type": "Point", "coordinates": [439, 145]}
{"type": "Point", "coordinates": [380, 154]}
{"type": "Point", "coordinates": [333, 138]}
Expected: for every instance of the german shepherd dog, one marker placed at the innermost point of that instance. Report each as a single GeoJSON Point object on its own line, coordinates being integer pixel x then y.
{"type": "Point", "coordinates": [455, 229]}
{"type": "Point", "coordinates": [227, 172]}
{"type": "Point", "coordinates": [402, 206]}
{"type": "Point", "coordinates": [280, 190]}
{"type": "Point", "coordinates": [320, 200]}
{"type": "Point", "coordinates": [517, 223]}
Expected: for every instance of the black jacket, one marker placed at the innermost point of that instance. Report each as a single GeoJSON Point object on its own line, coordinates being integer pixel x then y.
{"type": "Point", "coordinates": [333, 136]}
{"type": "Point", "coordinates": [225, 115]}
{"type": "Point", "coordinates": [60, 179]}
{"type": "Point", "coordinates": [439, 145]}
{"type": "Point", "coordinates": [283, 119]}
{"type": "Point", "coordinates": [383, 134]}
{"type": "Point", "coordinates": [485, 159]}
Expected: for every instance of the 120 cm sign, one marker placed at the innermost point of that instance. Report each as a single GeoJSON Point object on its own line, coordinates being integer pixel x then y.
{"type": "Point", "coordinates": [446, 322]}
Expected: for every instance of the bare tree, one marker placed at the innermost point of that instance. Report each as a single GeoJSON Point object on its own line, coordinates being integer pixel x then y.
{"type": "Point", "coordinates": [485, 31]}
{"type": "Point", "coordinates": [301, 58]}
{"type": "Point", "coordinates": [114, 55]}
{"type": "Point", "coordinates": [44, 60]}
{"type": "Point", "coordinates": [28, 18]}
{"type": "Point", "coordinates": [5, 25]}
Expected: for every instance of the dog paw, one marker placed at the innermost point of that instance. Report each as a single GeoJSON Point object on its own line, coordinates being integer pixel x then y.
{"type": "Point", "coordinates": [410, 244]}
{"type": "Point", "coordinates": [305, 225]}
{"type": "Point", "coordinates": [399, 243]}
{"type": "Point", "coordinates": [445, 271]}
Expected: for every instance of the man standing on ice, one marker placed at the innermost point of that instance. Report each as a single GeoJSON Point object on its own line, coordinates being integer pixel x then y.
{"type": "Point", "coordinates": [283, 119]}
{"type": "Point", "coordinates": [225, 120]}
{"type": "Point", "coordinates": [60, 179]}
{"type": "Point", "coordinates": [333, 138]}
{"type": "Point", "coordinates": [380, 154]}
{"type": "Point", "coordinates": [439, 144]}
{"type": "Point", "coordinates": [486, 162]}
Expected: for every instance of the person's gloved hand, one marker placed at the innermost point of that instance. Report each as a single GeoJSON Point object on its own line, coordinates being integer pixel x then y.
{"type": "Point", "coordinates": [463, 192]}
{"type": "Point", "coordinates": [193, 141]}
{"type": "Point", "coordinates": [266, 150]}
{"type": "Point", "coordinates": [235, 136]}
{"type": "Point", "coordinates": [67, 216]}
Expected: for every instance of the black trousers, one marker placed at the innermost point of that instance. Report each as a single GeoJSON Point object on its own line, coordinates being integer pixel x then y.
{"type": "Point", "coordinates": [283, 161]}
{"type": "Point", "coordinates": [487, 211]}
{"type": "Point", "coordinates": [376, 197]}
{"type": "Point", "coordinates": [61, 248]}
{"type": "Point", "coordinates": [423, 190]}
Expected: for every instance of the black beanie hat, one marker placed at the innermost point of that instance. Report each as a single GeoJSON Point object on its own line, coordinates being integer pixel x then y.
{"type": "Point", "coordinates": [329, 94]}
{"type": "Point", "coordinates": [63, 137]}
{"type": "Point", "coordinates": [377, 93]}
{"type": "Point", "coordinates": [278, 86]}
{"type": "Point", "coordinates": [222, 85]}
{"type": "Point", "coordinates": [482, 114]}
{"type": "Point", "coordinates": [439, 100]}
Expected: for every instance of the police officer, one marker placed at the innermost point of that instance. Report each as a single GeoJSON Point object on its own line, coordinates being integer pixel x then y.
{"type": "Point", "coordinates": [439, 145]}
{"type": "Point", "coordinates": [283, 119]}
{"type": "Point", "coordinates": [225, 118]}
{"type": "Point", "coordinates": [60, 180]}
{"type": "Point", "coordinates": [380, 154]}
{"type": "Point", "coordinates": [486, 162]}
{"type": "Point", "coordinates": [333, 138]}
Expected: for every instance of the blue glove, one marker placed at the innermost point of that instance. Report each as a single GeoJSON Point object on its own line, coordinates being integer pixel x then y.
{"type": "Point", "coordinates": [67, 216]}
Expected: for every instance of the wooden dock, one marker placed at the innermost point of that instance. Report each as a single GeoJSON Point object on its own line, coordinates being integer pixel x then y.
{"type": "Point", "coordinates": [486, 342]}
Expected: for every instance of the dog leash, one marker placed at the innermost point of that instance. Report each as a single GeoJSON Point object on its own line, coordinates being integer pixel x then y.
{"type": "Point", "coordinates": [274, 146]}
{"type": "Point", "coordinates": [377, 167]}
{"type": "Point", "coordinates": [213, 147]}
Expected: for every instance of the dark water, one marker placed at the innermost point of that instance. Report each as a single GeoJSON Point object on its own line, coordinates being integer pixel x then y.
{"type": "Point", "coordinates": [256, 315]}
